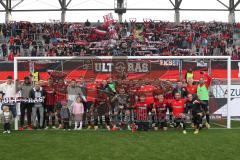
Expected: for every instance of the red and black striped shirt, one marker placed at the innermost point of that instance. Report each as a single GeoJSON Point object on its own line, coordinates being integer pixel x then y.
{"type": "Point", "coordinates": [141, 111]}
{"type": "Point", "coordinates": [50, 95]}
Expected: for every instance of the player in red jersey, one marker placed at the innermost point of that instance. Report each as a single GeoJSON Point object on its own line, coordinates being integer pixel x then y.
{"type": "Point", "coordinates": [178, 110]}
{"type": "Point", "coordinates": [168, 95]}
{"type": "Point", "coordinates": [61, 91]}
{"type": "Point", "coordinates": [60, 97]}
{"type": "Point", "coordinates": [168, 89]}
{"type": "Point", "coordinates": [141, 113]}
{"type": "Point", "coordinates": [91, 88]}
{"type": "Point", "coordinates": [160, 111]}
{"type": "Point", "coordinates": [101, 108]}
{"type": "Point", "coordinates": [191, 87]}
{"type": "Point", "coordinates": [133, 99]}
{"type": "Point", "coordinates": [49, 103]}
{"type": "Point", "coordinates": [148, 90]}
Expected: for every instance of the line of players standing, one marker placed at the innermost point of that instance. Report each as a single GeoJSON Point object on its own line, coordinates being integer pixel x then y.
{"type": "Point", "coordinates": [134, 105]}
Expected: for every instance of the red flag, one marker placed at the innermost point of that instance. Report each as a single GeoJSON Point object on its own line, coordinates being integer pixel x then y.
{"type": "Point", "coordinates": [108, 19]}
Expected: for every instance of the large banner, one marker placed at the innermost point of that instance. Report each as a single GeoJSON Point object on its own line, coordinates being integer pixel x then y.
{"type": "Point", "coordinates": [116, 66]}
{"type": "Point", "coordinates": [220, 91]}
{"type": "Point", "coordinates": [139, 69]}
{"type": "Point", "coordinates": [220, 95]}
{"type": "Point", "coordinates": [164, 69]}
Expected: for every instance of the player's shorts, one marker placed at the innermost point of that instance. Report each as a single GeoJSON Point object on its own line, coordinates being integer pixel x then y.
{"type": "Point", "coordinates": [49, 108]}
{"type": "Point", "coordinates": [205, 106]}
{"type": "Point", "coordinates": [88, 106]}
{"type": "Point", "coordinates": [119, 108]}
{"type": "Point", "coordinates": [142, 125]}
{"type": "Point", "coordinates": [161, 122]}
{"type": "Point", "coordinates": [179, 119]}
{"type": "Point", "coordinates": [103, 109]}
{"type": "Point", "coordinates": [160, 117]}
{"type": "Point", "coordinates": [197, 119]}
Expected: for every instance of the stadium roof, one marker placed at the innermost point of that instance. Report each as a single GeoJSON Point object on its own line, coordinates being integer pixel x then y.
{"type": "Point", "coordinates": [44, 10]}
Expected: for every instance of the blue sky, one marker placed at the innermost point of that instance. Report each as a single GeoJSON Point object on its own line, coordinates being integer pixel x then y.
{"type": "Point", "coordinates": [94, 16]}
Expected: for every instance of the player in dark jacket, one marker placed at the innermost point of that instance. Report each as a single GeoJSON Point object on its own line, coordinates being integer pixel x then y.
{"type": "Point", "coordinates": [194, 106]}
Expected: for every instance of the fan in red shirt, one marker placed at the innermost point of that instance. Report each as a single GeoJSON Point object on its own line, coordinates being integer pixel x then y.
{"type": "Point", "coordinates": [11, 56]}
{"type": "Point", "coordinates": [11, 41]}
{"type": "Point", "coordinates": [50, 102]}
{"type": "Point", "coordinates": [160, 110]}
{"type": "Point", "coordinates": [141, 111]}
{"type": "Point", "coordinates": [178, 109]}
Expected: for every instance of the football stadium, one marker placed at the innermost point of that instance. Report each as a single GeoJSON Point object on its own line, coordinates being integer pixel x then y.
{"type": "Point", "coordinates": [119, 79]}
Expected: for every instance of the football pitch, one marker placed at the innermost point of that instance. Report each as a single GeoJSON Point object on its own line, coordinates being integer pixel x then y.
{"type": "Point", "coordinates": [213, 144]}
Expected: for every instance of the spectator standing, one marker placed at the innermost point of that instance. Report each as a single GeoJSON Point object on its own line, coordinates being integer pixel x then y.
{"type": "Point", "coordinates": [37, 93]}
{"type": "Point", "coordinates": [11, 56]}
{"type": "Point", "coordinates": [9, 91]}
{"type": "Point", "coordinates": [83, 88]}
{"type": "Point", "coordinates": [7, 118]}
{"type": "Point", "coordinates": [65, 115]}
{"type": "Point", "coordinates": [73, 91]}
{"type": "Point", "coordinates": [77, 111]}
{"type": "Point", "coordinates": [25, 89]}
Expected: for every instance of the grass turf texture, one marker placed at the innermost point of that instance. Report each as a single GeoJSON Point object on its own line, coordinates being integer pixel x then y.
{"type": "Point", "coordinates": [123, 145]}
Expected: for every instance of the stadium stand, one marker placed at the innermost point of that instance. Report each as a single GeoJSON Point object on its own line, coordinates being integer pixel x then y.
{"type": "Point", "coordinates": [118, 39]}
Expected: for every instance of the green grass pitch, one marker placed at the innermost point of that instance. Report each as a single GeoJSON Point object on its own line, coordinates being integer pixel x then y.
{"type": "Point", "coordinates": [213, 144]}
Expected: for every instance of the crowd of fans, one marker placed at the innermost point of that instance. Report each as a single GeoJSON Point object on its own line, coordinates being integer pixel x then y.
{"type": "Point", "coordinates": [118, 39]}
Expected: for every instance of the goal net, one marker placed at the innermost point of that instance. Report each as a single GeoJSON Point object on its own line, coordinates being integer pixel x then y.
{"type": "Point", "coordinates": [161, 72]}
